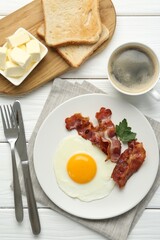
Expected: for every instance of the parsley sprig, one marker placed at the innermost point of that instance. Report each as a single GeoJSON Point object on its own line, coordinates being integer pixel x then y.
{"type": "Point", "coordinates": [124, 132]}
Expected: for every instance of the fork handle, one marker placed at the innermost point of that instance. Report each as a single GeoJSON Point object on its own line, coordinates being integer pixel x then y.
{"type": "Point", "coordinates": [32, 207]}
{"type": "Point", "coordinates": [17, 190]}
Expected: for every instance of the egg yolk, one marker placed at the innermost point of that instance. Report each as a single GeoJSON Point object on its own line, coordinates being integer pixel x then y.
{"type": "Point", "coordinates": [81, 168]}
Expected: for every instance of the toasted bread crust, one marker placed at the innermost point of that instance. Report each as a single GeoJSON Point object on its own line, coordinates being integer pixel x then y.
{"type": "Point", "coordinates": [75, 55]}
{"type": "Point", "coordinates": [71, 22]}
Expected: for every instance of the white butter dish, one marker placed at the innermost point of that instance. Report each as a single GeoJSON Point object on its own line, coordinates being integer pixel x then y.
{"type": "Point", "coordinates": [43, 51]}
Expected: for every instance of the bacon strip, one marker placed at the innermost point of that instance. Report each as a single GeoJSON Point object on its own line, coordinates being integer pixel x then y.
{"type": "Point", "coordinates": [108, 131]}
{"type": "Point", "coordinates": [86, 129]}
{"type": "Point", "coordinates": [103, 135]}
{"type": "Point", "coordinates": [105, 123]}
{"type": "Point", "coordinates": [129, 162]}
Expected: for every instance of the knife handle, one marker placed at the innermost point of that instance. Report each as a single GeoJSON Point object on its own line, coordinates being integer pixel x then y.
{"type": "Point", "coordinates": [16, 190]}
{"type": "Point", "coordinates": [32, 207]}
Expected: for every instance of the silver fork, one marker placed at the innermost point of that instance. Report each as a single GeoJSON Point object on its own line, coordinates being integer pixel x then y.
{"type": "Point", "coordinates": [11, 134]}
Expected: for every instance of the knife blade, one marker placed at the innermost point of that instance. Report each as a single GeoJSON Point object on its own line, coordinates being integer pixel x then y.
{"type": "Point", "coordinates": [23, 155]}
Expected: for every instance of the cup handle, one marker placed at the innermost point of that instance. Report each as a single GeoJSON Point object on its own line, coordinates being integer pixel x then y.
{"type": "Point", "coordinates": [155, 94]}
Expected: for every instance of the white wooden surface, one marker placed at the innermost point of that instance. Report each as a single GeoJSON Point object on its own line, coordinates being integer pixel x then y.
{"type": "Point", "coordinates": [136, 21]}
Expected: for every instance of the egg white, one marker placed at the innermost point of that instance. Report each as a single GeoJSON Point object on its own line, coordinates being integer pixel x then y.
{"type": "Point", "coordinates": [100, 186]}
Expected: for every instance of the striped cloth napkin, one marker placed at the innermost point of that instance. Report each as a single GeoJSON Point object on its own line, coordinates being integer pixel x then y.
{"type": "Point", "coordinates": [117, 228]}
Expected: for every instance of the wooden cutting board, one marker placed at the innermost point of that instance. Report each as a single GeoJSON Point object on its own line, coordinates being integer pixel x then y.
{"type": "Point", "coordinates": [30, 17]}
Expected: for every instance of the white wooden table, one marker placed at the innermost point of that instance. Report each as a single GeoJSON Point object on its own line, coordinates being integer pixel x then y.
{"type": "Point", "coordinates": [136, 21]}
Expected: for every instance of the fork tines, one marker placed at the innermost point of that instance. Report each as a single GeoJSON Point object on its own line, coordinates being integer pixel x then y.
{"type": "Point", "coordinates": [8, 116]}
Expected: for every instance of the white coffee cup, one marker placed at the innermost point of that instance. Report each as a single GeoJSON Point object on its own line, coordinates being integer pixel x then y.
{"type": "Point", "coordinates": [133, 69]}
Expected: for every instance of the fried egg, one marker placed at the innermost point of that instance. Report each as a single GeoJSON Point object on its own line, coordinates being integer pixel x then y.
{"type": "Point", "coordinates": [81, 170]}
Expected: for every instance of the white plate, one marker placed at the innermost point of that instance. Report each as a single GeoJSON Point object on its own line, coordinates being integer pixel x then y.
{"type": "Point", "coordinates": [53, 131]}
{"type": "Point", "coordinates": [17, 81]}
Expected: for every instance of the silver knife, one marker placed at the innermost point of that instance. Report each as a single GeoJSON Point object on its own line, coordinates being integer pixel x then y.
{"type": "Point", "coordinates": [22, 152]}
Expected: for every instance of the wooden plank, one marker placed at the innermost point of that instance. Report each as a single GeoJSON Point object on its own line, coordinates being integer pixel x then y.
{"type": "Point", "coordinates": [9, 6]}
{"type": "Point", "coordinates": [137, 8]}
{"type": "Point", "coordinates": [30, 17]}
{"type": "Point", "coordinates": [54, 226]}
{"type": "Point", "coordinates": [57, 227]}
{"type": "Point", "coordinates": [127, 7]}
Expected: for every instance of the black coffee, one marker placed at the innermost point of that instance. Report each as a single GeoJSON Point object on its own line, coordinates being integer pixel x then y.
{"type": "Point", "coordinates": [132, 70]}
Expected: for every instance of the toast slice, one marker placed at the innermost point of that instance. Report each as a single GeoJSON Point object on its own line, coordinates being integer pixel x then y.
{"type": "Point", "coordinates": [71, 22]}
{"type": "Point", "coordinates": [75, 55]}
